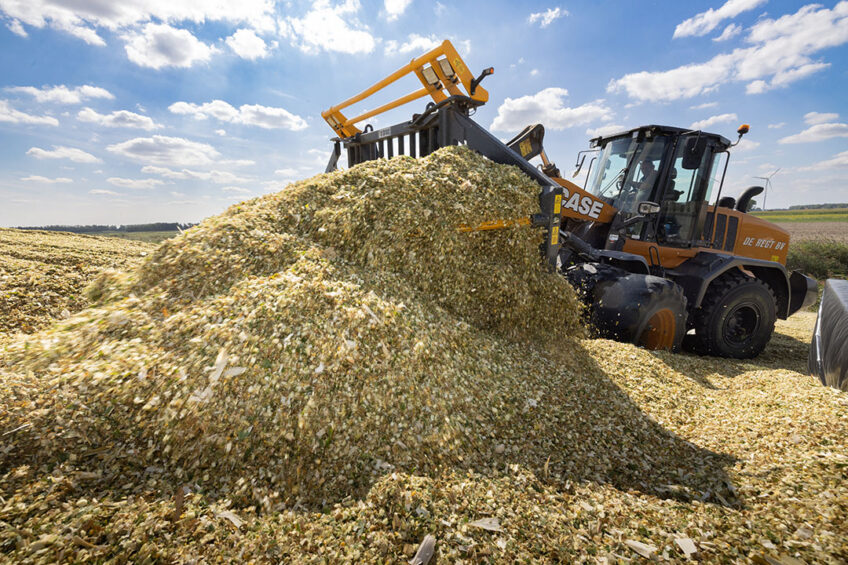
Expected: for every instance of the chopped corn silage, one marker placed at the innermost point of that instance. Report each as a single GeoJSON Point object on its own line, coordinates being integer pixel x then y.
{"type": "Point", "coordinates": [300, 380]}
{"type": "Point", "coordinates": [43, 273]}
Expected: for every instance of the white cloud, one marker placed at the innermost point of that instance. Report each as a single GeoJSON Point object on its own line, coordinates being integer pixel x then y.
{"type": "Point", "coordinates": [721, 118]}
{"type": "Point", "coordinates": [117, 119]}
{"type": "Point", "coordinates": [81, 19]}
{"type": "Point", "coordinates": [818, 132]}
{"type": "Point", "coordinates": [164, 150]}
{"type": "Point", "coordinates": [395, 8]}
{"type": "Point", "coordinates": [247, 45]}
{"type": "Point", "coordinates": [61, 94]}
{"type": "Point", "coordinates": [9, 114]}
{"type": "Point", "coordinates": [16, 28]}
{"type": "Point", "coordinates": [236, 189]}
{"type": "Point", "coordinates": [103, 192]}
{"type": "Point", "coordinates": [415, 42]}
{"type": "Point", "coordinates": [45, 180]}
{"type": "Point", "coordinates": [286, 172]}
{"type": "Point", "coordinates": [218, 177]}
{"type": "Point", "coordinates": [704, 106]}
{"type": "Point", "coordinates": [547, 107]}
{"type": "Point", "coordinates": [839, 161]}
{"type": "Point", "coordinates": [62, 152]}
{"type": "Point", "coordinates": [547, 17]}
{"type": "Point", "coordinates": [247, 114]}
{"type": "Point", "coordinates": [604, 130]}
{"type": "Point", "coordinates": [732, 30]}
{"type": "Point", "coordinates": [781, 51]}
{"type": "Point", "coordinates": [705, 22]}
{"type": "Point", "coordinates": [221, 132]}
{"type": "Point", "coordinates": [813, 118]}
{"type": "Point", "coordinates": [134, 183]}
{"type": "Point", "coordinates": [747, 145]}
{"type": "Point", "coordinates": [777, 125]}
{"type": "Point", "coordinates": [329, 28]}
{"type": "Point", "coordinates": [160, 45]}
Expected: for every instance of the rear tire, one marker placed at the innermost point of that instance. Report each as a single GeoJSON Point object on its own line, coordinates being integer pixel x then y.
{"type": "Point", "coordinates": [736, 318]}
{"type": "Point", "coordinates": [642, 309]}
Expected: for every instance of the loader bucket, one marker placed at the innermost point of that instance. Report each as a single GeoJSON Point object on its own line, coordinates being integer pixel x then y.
{"type": "Point", "coordinates": [829, 348]}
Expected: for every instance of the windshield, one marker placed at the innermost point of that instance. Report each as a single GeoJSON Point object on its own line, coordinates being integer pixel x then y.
{"type": "Point", "coordinates": [627, 171]}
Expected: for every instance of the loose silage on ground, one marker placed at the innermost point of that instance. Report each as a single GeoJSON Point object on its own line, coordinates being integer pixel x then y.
{"type": "Point", "coordinates": [333, 372]}
{"type": "Point", "coordinates": [43, 274]}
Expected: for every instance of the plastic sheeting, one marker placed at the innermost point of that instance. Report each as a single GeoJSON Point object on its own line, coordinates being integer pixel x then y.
{"type": "Point", "coordinates": [829, 348]}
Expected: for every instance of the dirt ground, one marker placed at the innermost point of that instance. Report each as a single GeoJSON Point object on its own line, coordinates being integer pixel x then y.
{"type": "Point", "coordinates": [800, 231]}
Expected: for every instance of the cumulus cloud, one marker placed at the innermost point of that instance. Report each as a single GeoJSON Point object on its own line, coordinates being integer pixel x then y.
{"type": "Point", "coordinates": [704, 106]}
{"type": "Point", "coordinates": [547, 17]}
{"type": "Point", "coordinates": [605, 130]}
{"type": "Point", "coordinates": [236, 189]}
{"type": "Point", "coordinates": [134, 183]}
{"type": "Point", "coordinates": [813, 118]}
{"type": "Point", "coordinates": [10, 115]}
{"type": "Point", "coordinates": [164, 150]}
{"type": "Point", "coordinates": [839, 161]}
{"type": "Point", "coordinates": [16, 28]}
{"type": "Point", "coordinates": [286, 172]}
{"type": "Point", "coordinates": [329, 28]}
{"type": "Point", "coordinates": [732, 30]}
{"type": "Point", "coordinates": [218, 177]}
{"type": "Point", "coordinates": [548, 107]}
{"type": "Point", "coordinates": [780, 53]}
{"type": "Point", "coordinates": [62, 152]}
{"type": "Point", "coordinates": [746, 145]}
{"type": "Point", "coordinates": [705, 22]}
{"type": "Point", "coordinates": [395, 8]}
{"type": "Point", "coordinates": [712, 120]}
{"type": "Point", "coordinates": [818, 132]}
{"type": "Point", "coordinates": [247, 45]}
{"type": "Point", "coordinates": [160, 45]}
{"type": "Point", "coordinates": [103, 192]}
{"type": "Point", "coordinates": [61, 94]}
{"type": "Point", "coordinates": [117, 119]}
{"type": "Point", "coordinates": [248, 114]}
{"type": "Point", "coordinates": [45, 180]}
{"type": "Point", "coordinates": [81, 19]}
{"type": "Point", "coordinates": [419, 44]}
{"type": "Point", "coordinates": [415, 42]}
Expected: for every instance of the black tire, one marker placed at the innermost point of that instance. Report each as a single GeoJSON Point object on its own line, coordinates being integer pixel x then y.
{"type": "Point", "coordinates": [642, 309]}
{"type": "Point", "coordinates": [736, 317]}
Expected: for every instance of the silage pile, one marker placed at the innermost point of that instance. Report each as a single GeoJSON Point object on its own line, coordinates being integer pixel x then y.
{"type": "Point", "coordinates": [43, 274]}
{"type": "Point", "coordinates": [332, 372]}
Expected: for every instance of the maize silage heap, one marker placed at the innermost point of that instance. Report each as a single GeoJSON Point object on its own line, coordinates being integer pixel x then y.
{"type": "Point", "coordinates": [301, 344]}
{"type": "Point", "coordinates": [340, 346]}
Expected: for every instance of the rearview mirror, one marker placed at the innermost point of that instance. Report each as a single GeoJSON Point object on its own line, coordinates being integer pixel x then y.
{"type": "Point", "coordinates": [693, 152]}
{"type": "Point", "coordinates": [647, 208]}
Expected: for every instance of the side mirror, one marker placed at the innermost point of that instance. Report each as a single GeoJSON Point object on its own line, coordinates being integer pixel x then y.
{"type": "Point", "coordinates": [693, 152]}
{"type": "Point", "coordinates": [648, 208]}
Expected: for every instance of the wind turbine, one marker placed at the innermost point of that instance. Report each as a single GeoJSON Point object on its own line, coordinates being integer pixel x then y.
{"type": "Point", "coordinates": [767, 178]}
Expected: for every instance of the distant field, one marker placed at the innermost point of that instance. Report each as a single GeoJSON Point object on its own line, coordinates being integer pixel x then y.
{"type": "Point", "coordinates": [825, 215]}
{"type": "Point", "coordinates": [146, 236]}
{"type": "Point", "coordinates": [806, 231]}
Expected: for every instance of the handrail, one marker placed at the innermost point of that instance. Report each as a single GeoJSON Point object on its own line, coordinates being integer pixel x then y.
{"type": "Point", "coordinates": [442, 72]}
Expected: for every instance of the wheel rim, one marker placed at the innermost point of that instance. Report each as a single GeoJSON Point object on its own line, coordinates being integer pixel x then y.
{"type": "Point", "coordinates": [741, 325]}
{"type": "Point", "coordinates": [659, 334]}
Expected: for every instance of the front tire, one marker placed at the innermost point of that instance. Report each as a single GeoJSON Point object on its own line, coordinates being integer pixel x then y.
{"type": "Point", "coordinates": [642, 309]}
{"type": "Point", "coordinates": [736, 318]}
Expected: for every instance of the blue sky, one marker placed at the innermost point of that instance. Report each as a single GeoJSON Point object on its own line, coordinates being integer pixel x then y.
{"type": "Point", "coordinates": [169, 110]}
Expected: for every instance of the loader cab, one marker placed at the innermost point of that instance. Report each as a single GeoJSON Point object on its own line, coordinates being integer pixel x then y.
{"type": "Point", "coordinates": [672, 167]}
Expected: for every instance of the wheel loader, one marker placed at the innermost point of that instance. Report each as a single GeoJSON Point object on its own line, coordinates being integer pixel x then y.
{"type": "Point", "coordinates": [656, 253]}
